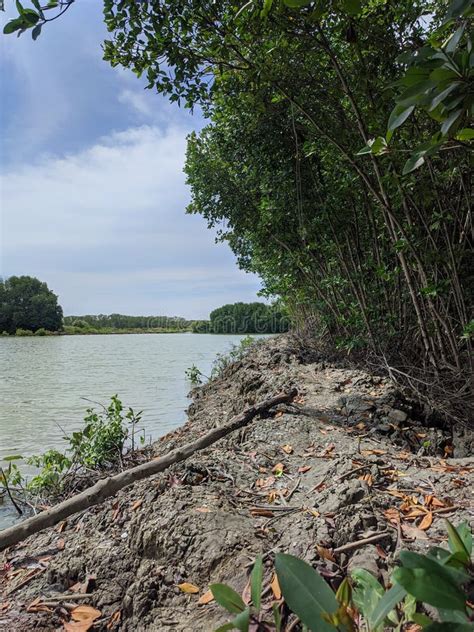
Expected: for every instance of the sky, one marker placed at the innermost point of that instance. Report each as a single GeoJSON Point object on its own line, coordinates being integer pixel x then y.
{"type": "Point", "coordinates": [92, 192]}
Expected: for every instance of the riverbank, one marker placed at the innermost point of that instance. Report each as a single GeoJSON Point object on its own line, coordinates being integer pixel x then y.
{"type": "Point", "coordinates": [327, 472]}
{"type": "Point", "coordinates": [78, 331]}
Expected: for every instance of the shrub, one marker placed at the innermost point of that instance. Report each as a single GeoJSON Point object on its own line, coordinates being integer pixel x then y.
{"type": "Point", "coordinates": [236, 353]}
{"type": "Point", "coordinates": [361, 603]}
{"type": "Point", "coordinates": [42, 332]}
{"type": "Point", "coordinates": [23, 332]}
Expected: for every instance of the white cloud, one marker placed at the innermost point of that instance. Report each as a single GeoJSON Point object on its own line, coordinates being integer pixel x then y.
{"type": "Point", "coordinates": [137, 101]}
{"type": "Point", "coordinates": [106, 228]}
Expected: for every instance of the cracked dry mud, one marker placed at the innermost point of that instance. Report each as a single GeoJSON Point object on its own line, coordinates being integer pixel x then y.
{"type": "Point", "coordinates": [350, 459]}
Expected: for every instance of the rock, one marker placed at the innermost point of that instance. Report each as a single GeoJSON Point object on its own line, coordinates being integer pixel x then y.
{"type": "Point", "coordinates": [398, 416]}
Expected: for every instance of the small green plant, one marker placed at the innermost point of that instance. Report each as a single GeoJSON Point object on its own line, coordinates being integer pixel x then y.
{"type": "Point", "coordinates": [194, 375]}
{"type": "Point", "coordinates": [361, 603]}
{"type": "Point", "coordinates": [107, 434]}
{"type": "Point", "coordinates": [236, 353]}
{"type": "Point", "coordinates": [41, 332]}
{"type": "Point", "coordinates": [23, 332]}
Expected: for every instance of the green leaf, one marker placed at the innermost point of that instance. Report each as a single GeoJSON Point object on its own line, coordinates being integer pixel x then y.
{"type": "Point", "coordinates": [267, 5]}
{"type": "Point", "coordinates": [456, 542]}
{"type": "Point", "coordinates": [13, 457]}
{"type": "Point", "coordinates": [367, 593]}
{"type": "Point", "coordinates": [225, 627]}
{"type": "Point", "coordinates": [13, 25]}
{"type": "Point", "coordinates": [242, 620]}
{"type": "Point", "coordinates": [352, 7]}
{"type": "Point", "coordinates": [305, 592]}
{"type": "Point", "coordinates": [19, 7]}
{"type": "Point", "coordinates": [36, 32]}
{"type": "Point", "coordinates": [450, 121]}
{"type": "Point", "coordinates": [438, 98]}
{"type": "Point", "coordinates": [413, 560]}
{"type": "Point", "coordinates": [297, 4]}
{"type": "Point", "coordinates": [385, 606]}
{"type": "Point", "coordinates": [429, 588]}
{"type": "Point", "coordinates": [416, 92]}
{"type": "Point", "coordinates": [463, 529]}
{"type": "Point", "coordinates": [414, 162]}
{"type": "Point", "coordinates": [399, 115]}
{"type": "Point", "coordinates": [256, 583]}
{"type": "Point", "coordinates": [276, 616]}
{"type": "Point", "coordinates": [452, 42]}
{"type": "Point", "coordinates": [227, 598]}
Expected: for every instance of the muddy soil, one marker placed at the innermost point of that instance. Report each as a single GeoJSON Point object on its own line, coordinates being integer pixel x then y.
{"type": "Point", "coordinates": [347, 462]}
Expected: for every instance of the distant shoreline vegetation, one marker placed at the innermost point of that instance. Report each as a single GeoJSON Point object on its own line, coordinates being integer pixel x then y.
{"type": "Point", "coordinates": [29, 308]}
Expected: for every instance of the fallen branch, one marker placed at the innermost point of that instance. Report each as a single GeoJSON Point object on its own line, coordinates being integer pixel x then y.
{"type": "Point", "coordinates": [350, 546]}
{"type": "Point", "coordinates": [110, 486]}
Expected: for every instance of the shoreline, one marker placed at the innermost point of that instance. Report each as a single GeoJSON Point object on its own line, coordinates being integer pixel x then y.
{"type": "Point", "coordinates": [205, 519]}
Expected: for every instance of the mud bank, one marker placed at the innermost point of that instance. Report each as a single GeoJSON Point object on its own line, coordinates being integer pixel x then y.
{"type": "Point", "coordinates": [349, 466]}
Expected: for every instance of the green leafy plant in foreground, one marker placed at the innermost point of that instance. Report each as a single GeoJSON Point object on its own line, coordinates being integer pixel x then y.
{"type": "Point", "coordinates": [361, 603]}
{"type": "Point", "coordinates": [106, 435]}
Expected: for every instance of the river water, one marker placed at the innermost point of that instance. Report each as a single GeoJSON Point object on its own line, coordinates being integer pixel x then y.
{"type": "Point", "coordinates": [44, 380]}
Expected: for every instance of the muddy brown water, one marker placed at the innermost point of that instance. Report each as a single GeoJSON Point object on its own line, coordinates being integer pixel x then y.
{"type": "Point", "coordinates": [45, 384]}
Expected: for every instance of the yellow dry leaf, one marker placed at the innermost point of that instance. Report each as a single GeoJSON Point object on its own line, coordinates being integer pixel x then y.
{"type": "Point", "coordinates": [85, 613]}
{"type": "Point", "coordinates": [288, 449]}
{"type": "Point", "coordinates": [325, 553]}
{"type": "Point", "coordinates": [426, 522]}
{"type": "Point", "coordinates": [188, 588]}
{"type": "Point", "coordinates": [138, 503]}
{"type": "Point", "coordinates": [275, 586]}
{"type": "Point", "coordinates": [303, 469]}
{"type": "Point", "coordinates": [207, 597]}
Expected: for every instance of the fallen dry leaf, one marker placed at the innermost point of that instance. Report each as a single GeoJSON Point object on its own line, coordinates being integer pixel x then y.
{"type": "Point", "coordinates": [61, 526]}
{"type": "Point", "coordinates": [288, 449]}
{"type": "Point", "coordinates": [328, 452]}
{"type": "Point", "coordinates": [138, 503]}
{"type": "Point", "coordinates": [314, 513]}
{"type": "Point", "coordinates": [84, 613]}
{"type": "Point", "coordinates": [114, 619]}
{"type": "Point", "coordinates": [207, 597]}
{"type": "Point", "coordinates": [368, 479]}
{"type": "Point", "coordinates": [4, 606]}
{"type": "Point", "coordinates": [278, 469]}
{"type": "Point", "coordinates": [303, 469]}
{"type": "Point", "coordinates": [78, 626]}
{"type": "Point", "coordinates": [275, 586]}
{"type": "Point", "coordinates": [278, 414]}
{"type": "Point", "coordinates": [38, 606]}
{"type": "Point", "coordinates": [381, 552]}
{"type": "Point", "coordinates": [413, 533]}
{"type": "Point", "coordinates": [375, 451]}
{"type": "Point", "coordinates": [188, 588]}
{"type": "Point", "coordinates": [325, 553]}
{"type": "Point", "coordinates": [426, 522]}
{"type": "Point", "coordinates": [60, 544]}
{"type": "Point", "coordinates": [361, 425]}
{"type": "Point", "coordinates": [203, 509]}
{"type": "Point", "coordinates": [392, 515]}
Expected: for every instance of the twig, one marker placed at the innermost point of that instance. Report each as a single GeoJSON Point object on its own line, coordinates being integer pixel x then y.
{"type": "Point", "coordinates": [5, 483]}
{"type": "Point", "coordinates": [292, 491]}
{"type": "Point", "coordinates": [355, 545]}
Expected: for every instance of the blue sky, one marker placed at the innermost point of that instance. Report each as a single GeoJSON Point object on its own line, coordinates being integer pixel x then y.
{"type": "Point", "coordinates": [92, 192]}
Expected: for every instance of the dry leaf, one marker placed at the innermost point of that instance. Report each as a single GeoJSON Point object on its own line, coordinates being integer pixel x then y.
{"type": "Point", "coordinates": [84, 613]}
{"type": "Point", "coordinates": [275, 586]}
{"type": "Point", "coordinates": [325, 553]}
{"type": "Point", "coordinates": [288, 449]}
{"type": "Point", "coordinates": [247, 594]}
{"type": "Point", "coordinates": [203, 509]}
{"type": "Point", "coordinates": [381, 552]}
{"type": "Point", "coordinates": [376, 451]}
{"type": "Point", "coordinates": [314, 513]}
{"type": "Point", "coordinates": [278, 469]}
{"type": "Point", "coordinates": [426, 522]}
{"type": "Point", "coordinates": [60, 544]}
{"type": "Point", "coordinates": [4, 606]}
{"type": "Point", "coordinates": [413, 533]}
{"type": "Point", "coordinates": [188, 588]}
{"type": "Point", "coordinates": [61, 526]}
{"type": "Point", "coordinates": [392, 515]}
{"type": "Point", "coordinates": [207, 597]}
{"type": "Point", "coordinates": [115, 618]}
{"type": "Point", "coordinates": [368, 479]}
{"type": "Point", "coordinates": [303, 469]}
{"type": "Point", "coordinates": [361, 425]}
{"type": "Point", "coordinates": [328, 451]}
{"type": "Point", "coordinates": [138, 503]}
{"type": "Point", "coordinates": [278, 414]}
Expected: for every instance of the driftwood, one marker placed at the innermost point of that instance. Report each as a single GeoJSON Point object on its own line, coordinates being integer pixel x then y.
{"type": "Point", "coordinates": [110, 486]}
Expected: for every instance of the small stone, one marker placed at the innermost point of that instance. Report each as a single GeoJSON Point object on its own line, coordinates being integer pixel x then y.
{"type": "Point", "coordinates": [397, 415]}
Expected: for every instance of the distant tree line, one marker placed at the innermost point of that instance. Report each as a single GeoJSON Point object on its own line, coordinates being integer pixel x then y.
{"type": "Point", "coordinates": [245, 318]}
{"type": "Point", "coordinates": [27, 304]}
{"type": "Point", "coordinates": [122, 321]}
